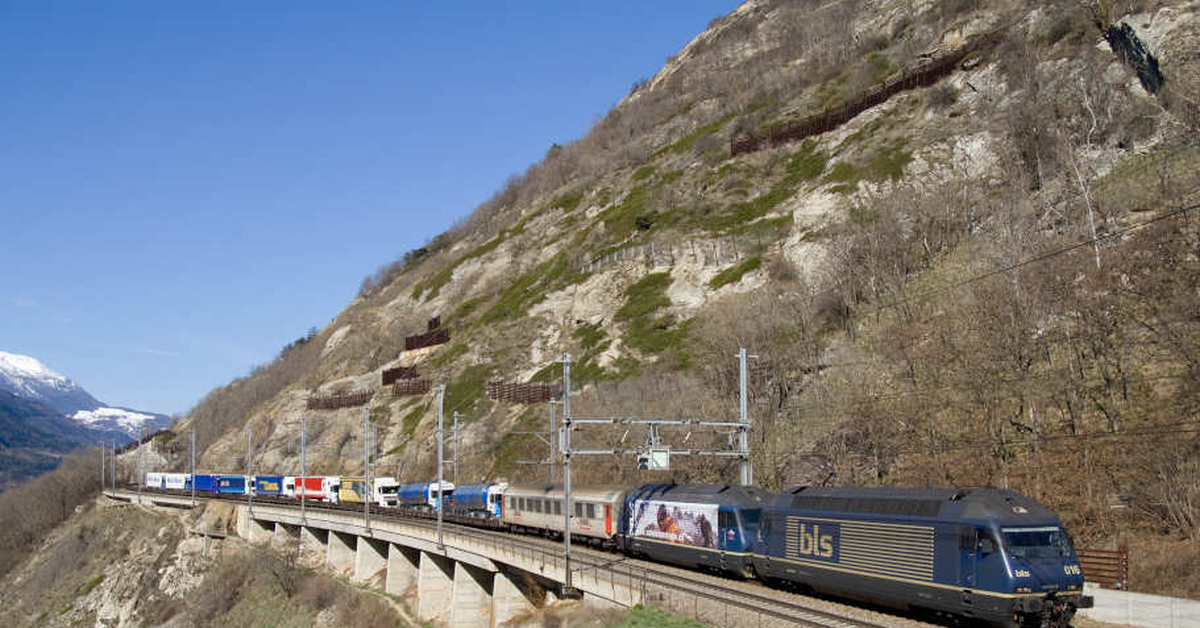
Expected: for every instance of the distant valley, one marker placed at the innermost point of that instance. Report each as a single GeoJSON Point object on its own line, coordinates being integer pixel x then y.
{"type": "Point", "coordinates": [44, 415]}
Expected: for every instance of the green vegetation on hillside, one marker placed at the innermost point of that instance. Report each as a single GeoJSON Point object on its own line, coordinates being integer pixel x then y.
{"type": "Point", "coordinates": [465, 392]}
{"type": "Point", "coordinates": [805, 165]}
{"type": "Point", "coordinates": [886, 163]}
{"type": "Point", "coordinates": [531, 288]}
{"type": "Point", "coordinates": [643, 329]}
{"type": "Point", "coordinates": [685, 143]}
{"type": "Point", "coordinates": [432, 285]}
{"type": "Point", "coordinates": [734, 274]}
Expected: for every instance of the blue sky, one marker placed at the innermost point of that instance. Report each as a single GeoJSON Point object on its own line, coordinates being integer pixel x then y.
{"type": "Point", "coordinates": [186, 188]}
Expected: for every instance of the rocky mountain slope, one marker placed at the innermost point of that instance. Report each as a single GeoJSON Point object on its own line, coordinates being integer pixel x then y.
{"type": "Point", "coordinates": [982, 275]}
{"type": "Point", "coordinates": [33, 438]}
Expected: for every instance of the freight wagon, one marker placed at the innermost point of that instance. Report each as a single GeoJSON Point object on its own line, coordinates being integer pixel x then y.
{"type": "Point", "coordinates": [268, 485]}
{"type": "Point", "coordinates": [319, 488]}
{"type": "Point", "coordinates": [423, 496]}
{"type": "Point", "coordinates": [480, 501]}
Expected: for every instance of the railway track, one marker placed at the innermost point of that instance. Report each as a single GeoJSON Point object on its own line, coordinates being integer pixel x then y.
{"type": "Point", "coordinates": [755, 604]}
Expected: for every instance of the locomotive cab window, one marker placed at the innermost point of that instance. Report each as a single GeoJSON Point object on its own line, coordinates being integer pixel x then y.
{"type": "Point", "coordinates": [1043, 542]}
{"type": "Point", "coordinates": [967, 539]}
{"type": "Point", "coordinates": [726, 519]}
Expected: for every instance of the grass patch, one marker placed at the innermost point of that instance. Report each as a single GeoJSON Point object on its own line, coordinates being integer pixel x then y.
{"type": "Point", "coordinates": [643, 173]}
{"type": "Point", "coordinates": [685, 143]}
{"type": "Point", "coordinates": [447, 355]}
{"type": "Point", "coordinates": [531, 288]}
{"type": "Point", "coordinates": [590, 336]}
{"type": "Point", "coordinates": [642, 617]}
{"type": "Point", "coordinates": [645, 331]}
{"type": "Point", "coordinates": [805, 165]}
{"type": "Point", "coordinates": [466, 391]}
{"type": "Point", "coordinates": [879, 67]}
{"type": "Point", "coordinates": [432, 285]}
{"type": "Point", "coordinates": [567, 202]}
{"type": "Point", "coordinates": [734, 274]}
{"type": "Point", "coordinates": [466, 308]}
{"type": "Point", "coordinates": [412, 419]}
{"type": "Point", "coordinates": [622, 219]}
{"type": "Point", "coordinates": [671, 177]}
{"type": "Point", "coordinates": [645, 296]}
{"type": "Point", "coordinates": [91, 584]}
{"type": "Point", "coordinates": [887, 163]}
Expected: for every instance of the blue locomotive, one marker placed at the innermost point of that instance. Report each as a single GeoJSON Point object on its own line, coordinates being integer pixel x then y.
{"type": "Point", "coordinates": [693, 525]}
{"type": "Point", "coordinates": [990, 555]}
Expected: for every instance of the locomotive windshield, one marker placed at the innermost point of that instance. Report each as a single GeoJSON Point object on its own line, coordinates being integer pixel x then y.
{"type": "Point", "coordinates": [750, 517]}
{"type": "Point", "coordinates": [1047, 542]}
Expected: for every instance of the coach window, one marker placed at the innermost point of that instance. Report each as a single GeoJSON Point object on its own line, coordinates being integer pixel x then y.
{"type": "Point", "coordinates": [579, 510]}
{"type": "Point", "coordinates": [591, 510]}
{"type": "Point", "coordinates": [557, 507]}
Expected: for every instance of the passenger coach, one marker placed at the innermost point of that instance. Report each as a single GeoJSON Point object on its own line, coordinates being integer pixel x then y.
{"type": "Point", "coordinates": [539, 507]}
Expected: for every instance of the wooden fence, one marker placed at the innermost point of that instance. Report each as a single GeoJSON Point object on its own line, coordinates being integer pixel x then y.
{"type": "Point", "coordinates": [429, 339]}
{"type": "Point", "coordinates": [830, 119]}
{"type": "Point", "coordinates": [1107, 568]}
{"type": "Point", "coordinates": [339, 400]}
{"type": "Point", "coordinates": [407, 387]}
{"type": "Point", "coordinates": [391, 376]}
{"type": "Point", "coordinates": [534, 392]}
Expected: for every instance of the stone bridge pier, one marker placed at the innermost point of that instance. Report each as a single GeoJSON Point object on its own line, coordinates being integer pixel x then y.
{"type": "Point", "coordinates": [451, 587]}
{"type": "Point", "coordinates": [465, 580]}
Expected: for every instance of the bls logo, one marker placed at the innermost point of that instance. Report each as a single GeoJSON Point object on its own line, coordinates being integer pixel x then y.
{"type": "Point", "coordinates": [814, 543]}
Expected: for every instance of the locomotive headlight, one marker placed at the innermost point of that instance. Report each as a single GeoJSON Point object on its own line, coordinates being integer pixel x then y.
{"type": "Point", "coordinates": [1024, 590]}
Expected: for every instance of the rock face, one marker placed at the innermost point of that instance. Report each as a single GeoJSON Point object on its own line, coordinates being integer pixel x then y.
{"type": "Point", "coordinates": [113, 565]}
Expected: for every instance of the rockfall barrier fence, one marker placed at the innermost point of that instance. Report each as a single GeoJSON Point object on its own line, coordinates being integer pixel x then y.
{"type": "Point", "coordinates": [339, 400]}
{"type": "Point", "coordinates": [428, 339]}
{"type": "Point", "coordinates": [923, 76]}
{"type": "Point", "coordinates": [408, 387]}
{"type": "Point", "coordinates": [391, 376]}
{"type": "Point", "coordinates": [533, 392]}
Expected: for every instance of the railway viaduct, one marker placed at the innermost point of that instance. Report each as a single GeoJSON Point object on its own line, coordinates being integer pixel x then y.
{"type": "Point", "coordinates": [472, 579]}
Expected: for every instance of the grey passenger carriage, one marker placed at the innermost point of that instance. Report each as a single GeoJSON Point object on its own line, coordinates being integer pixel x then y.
{"type": "Point", "coordinates": [540, 507]}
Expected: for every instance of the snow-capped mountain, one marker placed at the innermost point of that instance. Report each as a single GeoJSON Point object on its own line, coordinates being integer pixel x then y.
{"type": "Point", "coordinates": [28, 378]}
